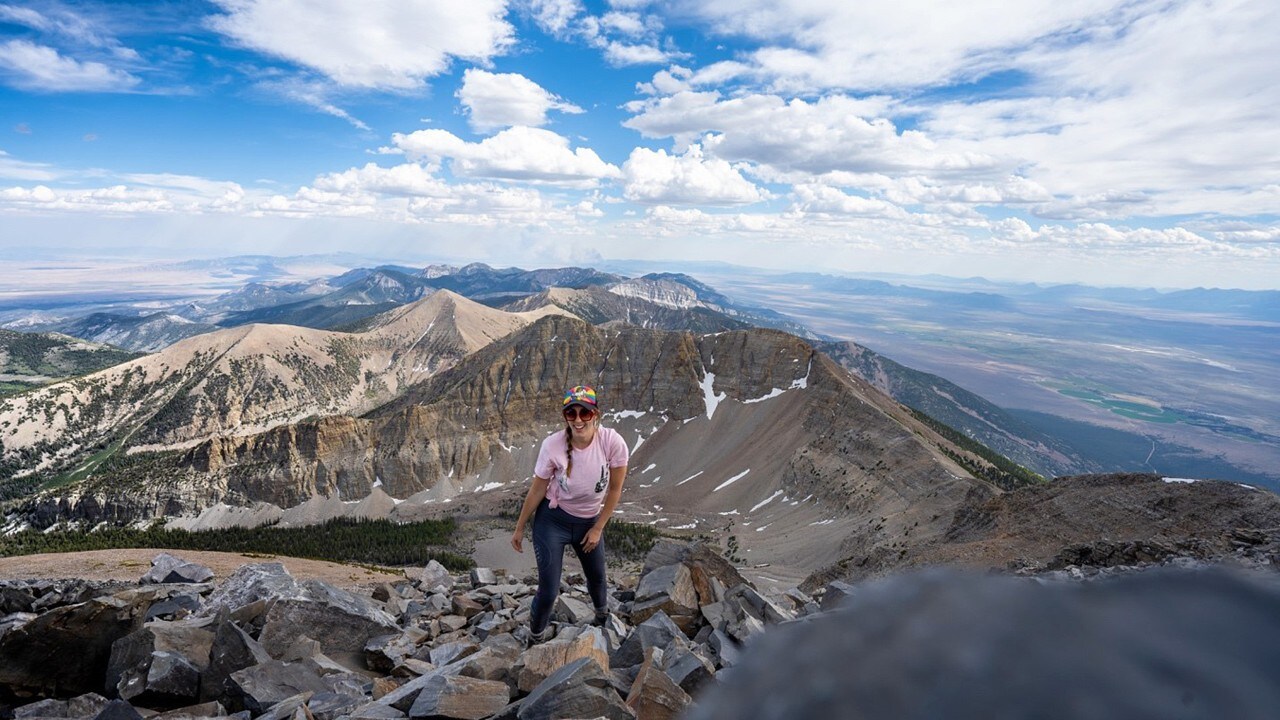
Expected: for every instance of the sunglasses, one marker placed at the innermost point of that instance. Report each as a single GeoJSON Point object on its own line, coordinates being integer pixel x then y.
{"type": "Point", "coordinates": [576, 413]}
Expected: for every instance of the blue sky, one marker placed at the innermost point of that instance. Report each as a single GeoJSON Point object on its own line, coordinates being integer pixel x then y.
{"type": "Point", "coordinates": [1130, 143]}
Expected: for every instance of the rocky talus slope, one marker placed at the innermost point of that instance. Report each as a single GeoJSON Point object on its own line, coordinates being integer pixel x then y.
{"type": "Point", "coordinates": [260, 644]}
{"type": "Point", "coordinates": [688, 636]}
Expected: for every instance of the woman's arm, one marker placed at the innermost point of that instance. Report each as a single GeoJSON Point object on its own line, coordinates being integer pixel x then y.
{"type": "Point", "coordinates": [537, 491]}
{"type": "Point", "coordinates": [617, 476]}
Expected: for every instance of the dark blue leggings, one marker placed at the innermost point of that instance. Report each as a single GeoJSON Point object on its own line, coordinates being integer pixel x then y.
{"type": "Point", "coordinates": [554, 528]}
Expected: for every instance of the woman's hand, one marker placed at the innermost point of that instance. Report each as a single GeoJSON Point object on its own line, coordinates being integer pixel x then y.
{"type": "Point", "coordinates": [592, 539]}
{"type": "Point", "coordinates": [517, 540]}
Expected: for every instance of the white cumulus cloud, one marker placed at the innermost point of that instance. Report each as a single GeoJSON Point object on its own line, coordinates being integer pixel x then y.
{"type": "Point", "coordinates": [518, 153]}
{"type": "Point", "coordinates": [654, 177]}
{"type": "Point", "coordinates": [412, 193]}
{"type": "Point", "coordinates": [498, 100]}
{"type": "Point", "coordinates": [829, 134]}
{"type": "Point", "coordinates": [390, 44]}
{"type": "Point", "coordinates": [554, 16]}
{"type": "Point", "coordinates": [877, 44]}
{"type": "Point", "coordinates": [814, 198]}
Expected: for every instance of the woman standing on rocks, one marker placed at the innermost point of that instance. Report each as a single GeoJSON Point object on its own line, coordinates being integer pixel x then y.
{"type": "Point", "coordinates": [577, 483]}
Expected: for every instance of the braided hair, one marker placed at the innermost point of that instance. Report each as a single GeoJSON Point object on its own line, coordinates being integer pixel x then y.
{"type": "Point", "coordinates": [568, 449]}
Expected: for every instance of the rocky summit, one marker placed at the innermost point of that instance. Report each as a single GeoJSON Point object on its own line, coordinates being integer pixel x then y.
{"type": "Point", "coordinates": [687, 636]}
{"type": "Point", "coordinates": [262, 644]}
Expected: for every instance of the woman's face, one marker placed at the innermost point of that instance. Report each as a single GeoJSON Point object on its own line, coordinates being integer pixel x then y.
{"type": "Point", "coordinates": [581, 420]}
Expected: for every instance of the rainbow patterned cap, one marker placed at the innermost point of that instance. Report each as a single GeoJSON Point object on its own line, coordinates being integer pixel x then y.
{"type": "Point", "coordinates": [580, 395]}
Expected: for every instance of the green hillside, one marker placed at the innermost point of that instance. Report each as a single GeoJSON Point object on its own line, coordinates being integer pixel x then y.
{"type": "Point", "coordinates": [29, 360]}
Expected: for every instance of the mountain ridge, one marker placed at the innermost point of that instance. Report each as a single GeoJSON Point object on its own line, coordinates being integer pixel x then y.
{"type": "Point", "coordinates": [245, 380]}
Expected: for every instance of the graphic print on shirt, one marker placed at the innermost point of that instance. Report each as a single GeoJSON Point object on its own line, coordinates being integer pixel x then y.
{"type": "Point", "coordinates": [604, 478]}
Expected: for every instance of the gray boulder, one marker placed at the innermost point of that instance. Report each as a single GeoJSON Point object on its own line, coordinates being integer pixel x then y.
{"type": "Point", "coordinates": [384, 652]}
{"type": "Point", "coordinates": [259, 687]}
{"type": "Point", "coordinates": [47, 708]}
{"type": "Point", "coordinates": [688, 668]}
{"type": "Point", "coordinates": [160, 663]}
{"type": "Point", "coordinates": [331, 705]}
{"type": "Point", "coordinates": [656, 632]}
{"type": "Point", "coordinates": [376, 711]}
{"type": "Point", "coordinates": [670, 590]}
{"type": "Point", "coordinates": [463, 698]}
{"type": "Point", "coordinates": [654, 695]}
{"type": "Point", "coordinates": [118, 710]}
{"type": "Point", "coordinates": [175, 607]}
{"type": "Point", "coordinates": [67, 649]}
{"type": "Point", "coordinates": [572, 611]}
{"type": "Point", "coordinates": [757, 606]}
{"type": "Point", "coordinates": [545, 659]}
{"type": "Point", "coordinates": [703, 561]}
{"type": "Point", "coordinates": [250, 584]}
{"type": "Point", "coordinates": [232, 649]}
{"type": "Point", "coordinates": [466, 606]}
{"type": "Point", "coordinates": [403, 697]}
{"type": "Point", "coordinates": [203, 710]}
{"type": "Point", "coordinates": [725, 648]}
{"type": "Point", "coordinates": [434, 578]}
{"type": "Point", "coordinates": [166, 568]}
{"type": "Point", "coordinates": [348, 620]}
{"type": "Point", "coordinates": [580, 689]}
{"type": "Point", "coordinates": [835, 594]}
{"type": "Point", "coordinates": [290, 708]}
{"type": "Point", "coordinates": [448, 652]}
{"type": "Point", "coordinates": [483, 576]}
{"type": "Point", "coordinates": [86, 705]}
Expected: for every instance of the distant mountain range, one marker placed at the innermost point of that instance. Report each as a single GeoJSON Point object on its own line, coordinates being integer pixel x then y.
{"type": "Point", "coordinates": [142, 333]}
{"type": "Point", "coordinates": [345, 301]}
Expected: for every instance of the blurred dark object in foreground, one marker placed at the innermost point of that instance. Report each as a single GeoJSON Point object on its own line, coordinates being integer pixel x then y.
{"type": "Point", "coordinates": [1166, 644]}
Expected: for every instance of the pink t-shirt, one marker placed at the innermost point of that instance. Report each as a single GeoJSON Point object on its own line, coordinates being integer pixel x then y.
{"type": "Point", "coordinates": [582, 493]}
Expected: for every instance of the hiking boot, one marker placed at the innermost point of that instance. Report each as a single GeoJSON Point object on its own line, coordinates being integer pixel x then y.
{"type": "Point", "coordinates": [530, 638]}
{"type": "Point", "coordinates": [602, 618]}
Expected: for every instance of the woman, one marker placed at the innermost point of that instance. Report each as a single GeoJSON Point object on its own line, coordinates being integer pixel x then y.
{"type": "Point", "coordinates": [577, 482]}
